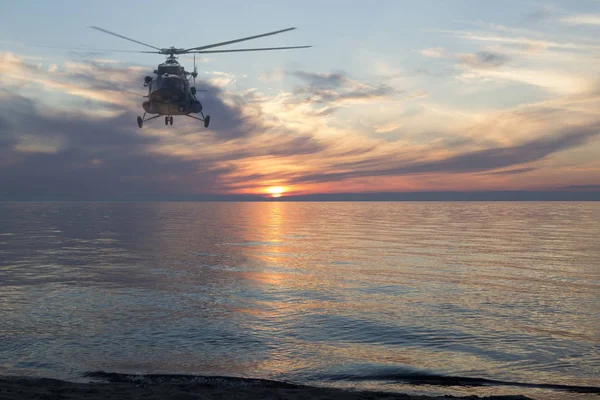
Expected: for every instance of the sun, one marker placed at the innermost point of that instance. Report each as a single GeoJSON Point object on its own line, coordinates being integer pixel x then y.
{"type": "Point", "coordinates": [276, 191]}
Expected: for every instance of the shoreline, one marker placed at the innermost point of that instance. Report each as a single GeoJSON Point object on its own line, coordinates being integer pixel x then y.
{"type": "Point", "coordinates": [199, 388]}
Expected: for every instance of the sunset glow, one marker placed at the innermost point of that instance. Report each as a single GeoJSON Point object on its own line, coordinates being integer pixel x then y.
{"type": "Point", "coordinates": [276, 191]}
{"type": "Point", "coordinates": [490, 97]}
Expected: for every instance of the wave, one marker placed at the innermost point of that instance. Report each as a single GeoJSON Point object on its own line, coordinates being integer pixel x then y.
{"type": "Point", "coordinates": [403, 378]}
{"type": "Point", "coordinates": [201, 380]}
{"type": "Point", "coordinates": [445, 380]}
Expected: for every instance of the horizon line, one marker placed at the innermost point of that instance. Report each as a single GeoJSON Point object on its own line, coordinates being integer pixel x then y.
{"type": "Point", "coordinates": [429, 196]}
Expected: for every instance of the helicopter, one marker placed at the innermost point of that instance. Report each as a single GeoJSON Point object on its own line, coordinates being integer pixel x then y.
{"type": "Point", "coordinates": [169, 91]}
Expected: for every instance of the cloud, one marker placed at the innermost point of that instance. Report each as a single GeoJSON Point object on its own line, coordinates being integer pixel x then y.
{"type": "Point", "coordinates": [433, 52]}
{"type": "Point", "coordinates": [483, 59]}
{"type": "Point", "coordinates": [385, 128]}
{"type": "Point", "coordinates": [513, 171]}
{"type": "Point", "coordinates": [86, 81]}
{"type": "Point", "coordinates": [331, 80]}
{"type": "Point", "coordinates": [95, 159]}
{"type": "Point", "coordinates": [531, 44]}
{"type": "Point", "coordinates": [540, 15]}
{"type": "Point", "coordinates": [221, 79]}
{"type": "Point", "coordinates": [52, 156]}
{"type": "Point", "coordinates": [337, 89]}
{"type": "Point", "coordinates": [582, 19]}
{"type": "Point", "coordinates": [274, 75]}
{"type": "Point", "coordinates": [469, 162]}
{"type": "Point", "coordinates": [80, 141]}
{"type": "Point", "coordinates": [551, 62]}
{"type": "Point", "coordinates": [51, 153]}
{"type": "Point", "coordinates": [593, 187]}
{"type": "Point", "coordinates": [552, 80]}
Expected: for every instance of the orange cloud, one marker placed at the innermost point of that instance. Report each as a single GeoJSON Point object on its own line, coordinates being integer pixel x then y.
{"type": "Point", "coordinates": [259, 140]}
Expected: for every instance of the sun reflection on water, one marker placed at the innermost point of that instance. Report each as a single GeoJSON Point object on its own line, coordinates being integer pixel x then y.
{"type": "Point", "coordinates": [294, 290]}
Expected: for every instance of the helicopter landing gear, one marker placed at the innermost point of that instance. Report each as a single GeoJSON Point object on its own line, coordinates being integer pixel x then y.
{"type": "Point", "coordinates": [140, 120]}
{"type": "Point", "coordinates": [205, 119]}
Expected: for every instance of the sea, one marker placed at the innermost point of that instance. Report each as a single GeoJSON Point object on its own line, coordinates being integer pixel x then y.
{"type": "Point", "coordinates": [458, 298]}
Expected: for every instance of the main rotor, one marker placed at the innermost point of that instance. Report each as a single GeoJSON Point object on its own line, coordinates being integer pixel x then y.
{"type": "Point", "coordinates": [172, 51]}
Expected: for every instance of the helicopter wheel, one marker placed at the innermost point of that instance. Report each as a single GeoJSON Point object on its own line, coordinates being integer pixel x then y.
{"type": "Point", "coordinates": [207, 121]}
{"type": "Point", "coordinates": [171, 120]}
{"type": "Point", "coordinates": [140, 121]}
{"type": "Point", "coordinates": [166, 120]}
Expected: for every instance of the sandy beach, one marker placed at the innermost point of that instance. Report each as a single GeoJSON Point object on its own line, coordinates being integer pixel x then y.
{"type": "Point", "coordinates": [53, 389]}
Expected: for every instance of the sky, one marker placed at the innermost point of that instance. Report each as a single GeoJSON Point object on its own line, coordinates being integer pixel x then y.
{"type": "Point", "coordinates": [397, 96]}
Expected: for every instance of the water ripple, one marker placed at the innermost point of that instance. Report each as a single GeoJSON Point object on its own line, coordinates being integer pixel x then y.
{"type": "Point", "coordinates": [387, 296]}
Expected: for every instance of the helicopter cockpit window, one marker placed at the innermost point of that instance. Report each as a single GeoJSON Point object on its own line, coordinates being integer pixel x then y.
{"type": "Point", "coordinates": [172, 83]}
{"type": "Point", "coordinates": [170, 69]}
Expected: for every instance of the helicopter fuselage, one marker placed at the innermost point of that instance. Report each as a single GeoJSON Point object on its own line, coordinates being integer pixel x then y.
{"type": "Point", "coordinates": [169, 93]}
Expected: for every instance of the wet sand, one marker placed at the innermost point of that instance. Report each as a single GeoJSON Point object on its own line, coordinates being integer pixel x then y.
{"type": "Point", "coordinates": [12, 388]}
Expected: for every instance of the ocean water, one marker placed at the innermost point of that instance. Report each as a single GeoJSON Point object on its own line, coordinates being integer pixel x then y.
{"type": "Point", "coordinates": [434, 298]}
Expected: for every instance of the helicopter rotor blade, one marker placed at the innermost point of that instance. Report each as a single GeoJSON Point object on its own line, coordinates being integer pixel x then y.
{"type": "Point", "coordinates": [89, 49]}
{"type": "Point", "coordinates": [238, 40]}
{"type": "Point", "coordinates": [123, 37]}
{"type": "Point", "coordinates": [195, 70]}
{"type": "Point", "coordinates": [259, 49]}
